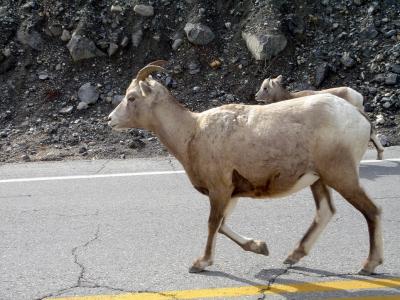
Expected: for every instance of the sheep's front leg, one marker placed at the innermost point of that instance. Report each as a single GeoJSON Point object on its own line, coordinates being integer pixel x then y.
{"type": "Point", "coordinates": [246, 243]}
{"type": "Point", "coordinates": [217, 210]}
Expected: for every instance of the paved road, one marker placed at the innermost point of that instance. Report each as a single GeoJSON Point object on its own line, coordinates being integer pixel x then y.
{"type": "Point", "coordinates": [112, 227]}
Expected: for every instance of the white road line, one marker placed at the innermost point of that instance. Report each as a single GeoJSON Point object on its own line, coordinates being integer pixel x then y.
{"type": "Point", "coordinates": [73, 177]}
{"type": "Point", "coordinates": [377, 161]}
{"type": "Point", "coordinates": [89, 176]}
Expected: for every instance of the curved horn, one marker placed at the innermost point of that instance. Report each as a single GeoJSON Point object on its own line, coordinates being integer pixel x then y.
{"type": "Point", "coordinates": [160, 63]}
{"type": "Point", "coordinates": [147, 70]}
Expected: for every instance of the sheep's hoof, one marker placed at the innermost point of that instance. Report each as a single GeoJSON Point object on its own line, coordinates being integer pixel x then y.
{"type": "Point", "coordinates": [256, 246]}
{"type": "Point", "coordinates": [289, 261]}
{"type": "Point", "coordinates": [194, 269]}
{"type": "Point", "coordinates": [364, 272]}
{"type": "Point", "coordinates": [294, 257]}
{"type": "Point", "coordinates": [380, 156]}
{"type": "Point", "coordinates": [199, 265]}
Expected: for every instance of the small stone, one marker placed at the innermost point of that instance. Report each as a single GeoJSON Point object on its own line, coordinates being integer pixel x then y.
{"type": "Point", "coordinates": [215, 64]}
{"type": "Point", "coordinates": [87, 93]}
{"type": "Point", "coordinates": [112, 49]}
{"type": "Point", "coordinates": [144, 10]}
{"type": "Point", "coordinates": [56, 29]}
{"type": "Point", "coordinates": [369, 31]}
{"type": "Point", "coordinates": [169, 82]}
{"type": "Point", "coordinates": [196, 89]}
{"type": "Point", "coordinates": [176, 44]}
{"type": "Point", "coordinates": [3, 134]}
{"type": "Point", "coordinates": [347, 61]}
{"type": "Point", "coordinates": [380, 120]}
{"type": "Point", "coordinates": [230, 97]}
{"type": "Point", "coordinates": [321, 73]}
{"type": "Point", "coordinates": [58, 67]}
{"type": "Point", "coordinates": [137, 37]}
{"type": "Point", "coordinates": [228, 25]}
{"type": "Point", "coordinates": [43, 76]}
{"type": "Point", "coordinates": [386, 104]}
{"type": "Point", "coordinates": [82, 106]}
{"type": "Point", "coordinates": [395, 68]}
{"type": "Point", "coordinates": [116, 8]}
{"type": "Point", "coordinates": [383, 139]}
{"type": "Point", "coordinates": [66, 110]}
{"type": "Point", "coordinates": [124, 42]}
{"type": "Point", "coordinates": [198, 34]}
{"type": "Point", "coordinates": [193, 68]}
{"type": "Point", "coordinates": [136, 143]}
{"type": "Point", "coordinates": [392, 79]}
{"type": "Point", "coordinates": [65, 36]}
{"type": "Point", "coordinates": [25, 157]}
{"type": "Point", "coordinates": [390, 33]}
{"type": "Point", "coordinates": [82, 150]}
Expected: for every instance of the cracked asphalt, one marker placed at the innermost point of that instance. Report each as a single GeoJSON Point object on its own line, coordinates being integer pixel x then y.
{"type": "Point", "coordinates": [88, 235]}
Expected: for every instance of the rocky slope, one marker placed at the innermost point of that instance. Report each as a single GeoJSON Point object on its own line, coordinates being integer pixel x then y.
{"type": "Point", "coordinates": [65, 64]}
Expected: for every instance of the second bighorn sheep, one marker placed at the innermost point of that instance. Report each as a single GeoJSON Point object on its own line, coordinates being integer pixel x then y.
{"type": "Point", "coordinates": [271, 91]}
{"type": "Point", "coordinates": [260, 151]}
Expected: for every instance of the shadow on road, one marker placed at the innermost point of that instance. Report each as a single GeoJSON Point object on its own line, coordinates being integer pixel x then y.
{"type": "Point", "coordinates": [372, 171]}
{"type": "Point", "coordinates": [310, 288]}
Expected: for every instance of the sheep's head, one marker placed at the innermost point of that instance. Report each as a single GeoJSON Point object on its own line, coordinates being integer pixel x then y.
{"type": "Point", "coordinates": [135, 110]}
{"type": "Point", "coordinates": [271, 90]}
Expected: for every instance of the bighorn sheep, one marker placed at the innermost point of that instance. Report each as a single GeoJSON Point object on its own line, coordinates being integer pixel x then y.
{"type": "Point", "coordinates": [271, 91]}
{"type": "Point", "coordinates": [260, 151]}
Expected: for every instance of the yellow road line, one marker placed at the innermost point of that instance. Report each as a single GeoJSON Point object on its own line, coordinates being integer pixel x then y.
{"type": "Point", "coordinates": [382, 297]}
{"type": "Point", "coordinates": [309, 287]}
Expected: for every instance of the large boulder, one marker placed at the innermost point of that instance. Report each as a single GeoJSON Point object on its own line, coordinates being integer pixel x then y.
{"type": "Point", "coordinates": [198, 34]}
{"type": "Point", "coordinates": [30, 37]}
{"type": "Point", "coordinates": [265, 45]}
{"type": "Point", "coordinates": [88, 94]}
{"type": "Point", "coordinates": [81, 47]}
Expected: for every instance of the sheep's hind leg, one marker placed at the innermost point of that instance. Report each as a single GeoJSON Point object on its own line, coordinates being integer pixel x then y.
{"type": "Point", "coordinates": [379, 148]}
{"type": "Point", "coordinates": [246, 243]}
{"type": "Point", "coordinates": [357, 197]}
{"type": "Point", "coordinates": [325, 211]}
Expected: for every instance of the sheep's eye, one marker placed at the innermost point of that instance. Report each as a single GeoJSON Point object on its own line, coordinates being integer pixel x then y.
{"type": "Point", "coordinates": [265, 89]}
{"type": "Point", "coordinates": [131, 98]}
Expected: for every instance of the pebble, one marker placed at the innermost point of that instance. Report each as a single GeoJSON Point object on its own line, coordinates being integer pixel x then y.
{"type": "Point", "coordinates": [176, 44]}
{"type": "Point", "coordinates": [82, 106]}
{"type": "Point", "coordinates": [43, 76]}
{"type": "Point", "coordinates": [65, 36]}
{"type": "Point", "coordinates": [380, 120]}
{"type": "Point", "coordinates": [116, 8]}
{"type": "Point", "coordinates": [347, 61]}
{"type": "Point", "coordinates": [144, 10]}
{"type": "Point", "coordinates": [66, 110]}
{"type": "Point", "coordinates": [112, 49]}
{"type": "Point", "coordinates": [392, 79]}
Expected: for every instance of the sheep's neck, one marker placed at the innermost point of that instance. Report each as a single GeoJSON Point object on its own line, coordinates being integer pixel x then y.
{"type": "Point", "coordinates": [175, 127]}
{"type": "Point", "coordinates": [286, 95]}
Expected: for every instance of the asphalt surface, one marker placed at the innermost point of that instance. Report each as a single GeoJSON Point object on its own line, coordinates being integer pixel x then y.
{"type": "Point", "coordinates": [116, 228]}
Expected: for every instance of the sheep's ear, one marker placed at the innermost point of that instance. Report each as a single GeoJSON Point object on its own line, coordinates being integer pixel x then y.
{"type": "Point", "coordinates": [144, 88]}
{"type": "Point", "coordinates": [279, 79]}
